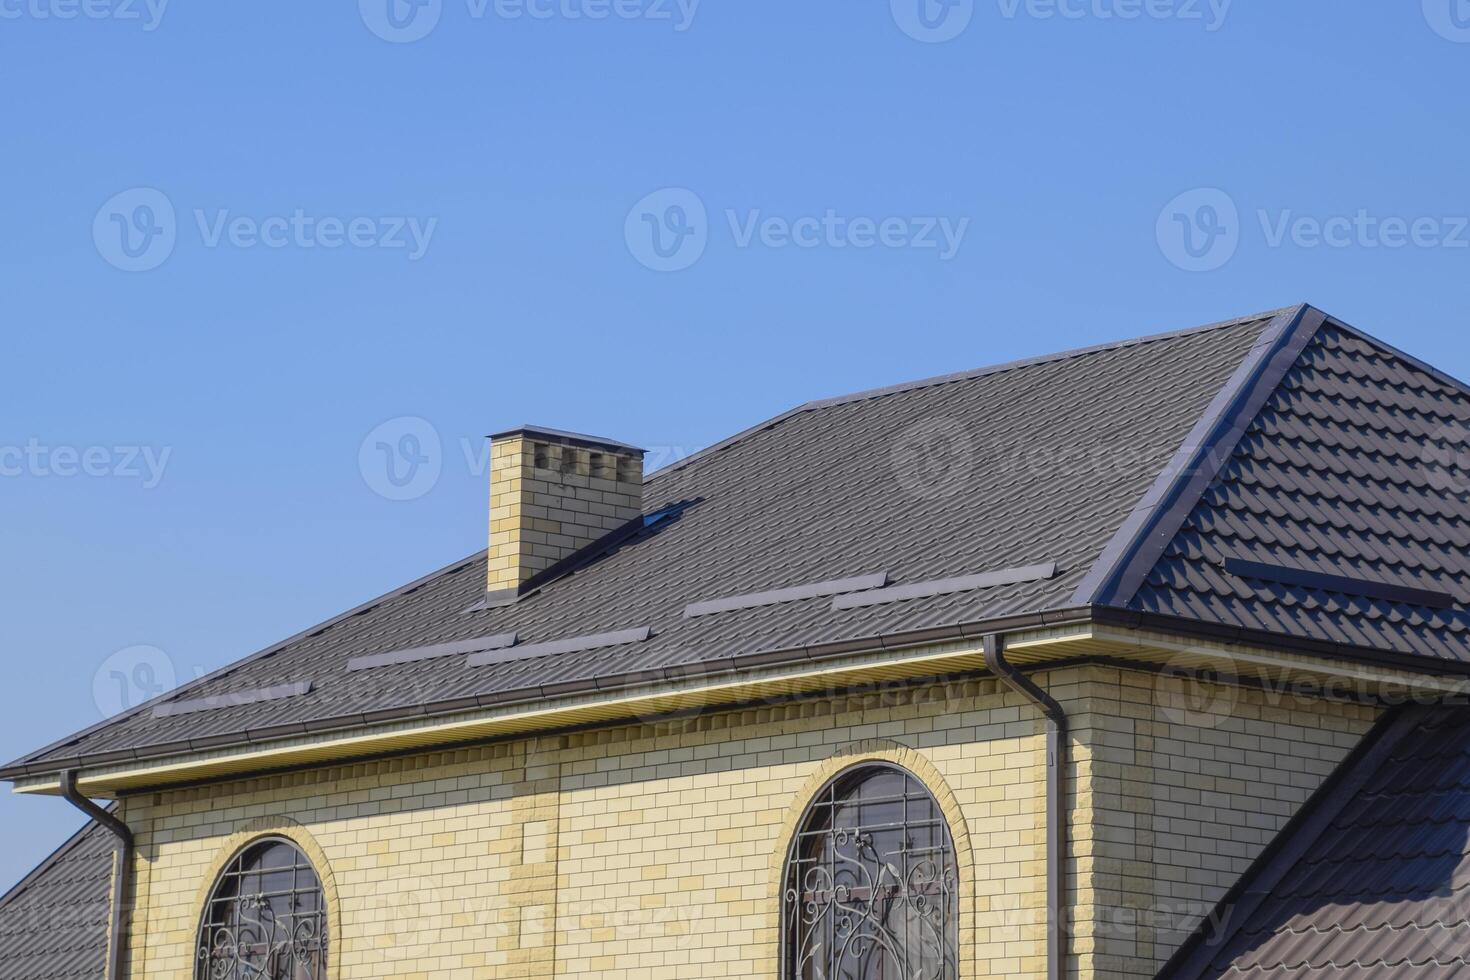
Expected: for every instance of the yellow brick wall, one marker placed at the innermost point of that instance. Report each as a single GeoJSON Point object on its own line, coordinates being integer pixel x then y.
{"type": "Point", "coordinates": [654, 851]}
{"type": "Point", "coordinates": [1187, 782]}
{"type": "Point", "coordinates": [636, 853]}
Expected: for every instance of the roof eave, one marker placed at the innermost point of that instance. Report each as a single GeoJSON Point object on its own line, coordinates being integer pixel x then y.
{"type": "Point", "coordinates": [611, 686]}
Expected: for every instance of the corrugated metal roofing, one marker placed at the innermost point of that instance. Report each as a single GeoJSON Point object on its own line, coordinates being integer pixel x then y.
{"type": "Point", "coordinates": [1140, 469]}
{"type": "Point", "coordinates": [1001, 468]}
{"type": "Point", "coordinates": [1355, 467]}
{"type": "Point", "coordinates": [814, 590]}
{"type": "Point", "coordinates": [1375, 881]}
{"type": "Point", "coordinates": [414, 655]}
{"type": "Point", "coordinates": [232, 699]}
{"type": "Point", "coordinates": [53, 925]}
{"type": "Point", "coordinates": [946, 586]}
{"type": "Point", "coordinates": [551, 648]}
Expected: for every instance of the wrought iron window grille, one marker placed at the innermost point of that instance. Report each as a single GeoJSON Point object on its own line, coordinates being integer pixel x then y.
{"type": "Point", "coordinates": [265, 919]}
{"type": "Point", "coordinates": [871, 884]}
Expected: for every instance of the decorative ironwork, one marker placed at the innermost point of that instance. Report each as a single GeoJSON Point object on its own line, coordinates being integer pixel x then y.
{"type": "Point", "coordinates": [870, 890]}
{"type": "Point", "coordinates": [266, 919]}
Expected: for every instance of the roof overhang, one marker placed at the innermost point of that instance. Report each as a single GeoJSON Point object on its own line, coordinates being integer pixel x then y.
{"type": "Point", "coordinates": [1092, 635]}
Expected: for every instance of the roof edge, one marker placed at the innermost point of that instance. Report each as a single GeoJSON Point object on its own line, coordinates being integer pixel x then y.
{"type": "Point", "coordinates": [235, 665]}
{"type": "Point", "coordinates": [610, 685]}
{"type": "Point", "coordinates": [969, 375]}
{"type": "Point", "coordinates": [1409, 359]}
{"type": "Point", "coordinates": [1312, 819]}
{"type": "Point", "coordinates": [1140, 540]}
{"type": "Point", "coordinates": [52, 859]}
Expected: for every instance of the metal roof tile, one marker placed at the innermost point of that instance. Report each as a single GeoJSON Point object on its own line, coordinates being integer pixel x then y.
{"type": "Point", "coordinates": [1384, 889]}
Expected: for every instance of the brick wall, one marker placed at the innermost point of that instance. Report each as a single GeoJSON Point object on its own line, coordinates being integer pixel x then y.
{"type": "Point", "coordinates": [634, 853]}
{"type": "Point", "coordinates": [654, 851]}
{"type": "Point", "coordinates": [547, 500]}
{"type": "Point", "coordinates": [1187, 783]}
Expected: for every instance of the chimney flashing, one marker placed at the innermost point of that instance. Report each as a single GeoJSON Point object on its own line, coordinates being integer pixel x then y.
{"type": "Point", "coordinates": [564, 438]}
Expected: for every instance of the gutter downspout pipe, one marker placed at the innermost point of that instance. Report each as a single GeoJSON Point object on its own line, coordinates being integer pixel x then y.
{"type": "Point", "coordinates": [122, 876]}
{"type": "Point", "coordinates": [1056, 802]}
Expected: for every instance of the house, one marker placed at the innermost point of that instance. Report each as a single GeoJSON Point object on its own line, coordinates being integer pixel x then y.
{"type": "Point", "coordinates": [1142, 660]}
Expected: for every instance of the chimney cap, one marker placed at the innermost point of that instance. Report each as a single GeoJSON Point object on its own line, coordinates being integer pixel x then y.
{"type": "Point", "coordinates": [544, 434]}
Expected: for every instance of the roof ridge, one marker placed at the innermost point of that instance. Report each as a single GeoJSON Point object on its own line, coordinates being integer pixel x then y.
{"type": "Point", "coordinates": [957, 376]}
{"type": "Point", "coordinates": [1140, 540]}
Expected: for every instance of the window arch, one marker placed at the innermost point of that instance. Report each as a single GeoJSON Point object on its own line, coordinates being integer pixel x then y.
{"type": "Point", "coordinates": [266, 918]}
{"type": "Point", "coordinates": [870, 890]}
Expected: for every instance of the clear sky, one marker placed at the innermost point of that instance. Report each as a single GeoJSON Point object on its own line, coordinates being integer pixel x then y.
{"type": "Point", "coordinates": [247, 244]}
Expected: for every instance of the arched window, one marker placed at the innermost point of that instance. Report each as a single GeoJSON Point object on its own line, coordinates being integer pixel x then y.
{"type": "Point", "coordinates": [266, 918]}
{"type": "Point", "coordinates": [871, 884]}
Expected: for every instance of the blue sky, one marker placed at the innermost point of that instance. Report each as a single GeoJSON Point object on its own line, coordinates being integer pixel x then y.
{"type": "Point", "coordinates": [247, 243]}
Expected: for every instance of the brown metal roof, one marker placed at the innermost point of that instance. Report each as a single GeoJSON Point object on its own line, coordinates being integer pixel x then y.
{"type": "Point", "coordinates": [53, 925]}
{"type": "Point", "coordinates": [1036, 463]}
{"type": "Point", "coordinates": [1140, 469]}
{"type": "Point", "coordinates": [1371, 880]}
{"type": "Point", "coordinates": [1351, 482]}
{"type": "Point", "coordinates": [1150, 472]}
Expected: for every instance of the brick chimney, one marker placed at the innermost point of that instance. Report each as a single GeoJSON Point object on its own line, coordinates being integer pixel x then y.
{"type": "Point", "coordinates": [552, 493]}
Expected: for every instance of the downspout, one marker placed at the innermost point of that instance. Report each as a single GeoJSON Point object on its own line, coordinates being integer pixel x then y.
{"type": "Point", "coordinates": [121, 879]}
{"type": "Point", "coordinates": [1056, 802]}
